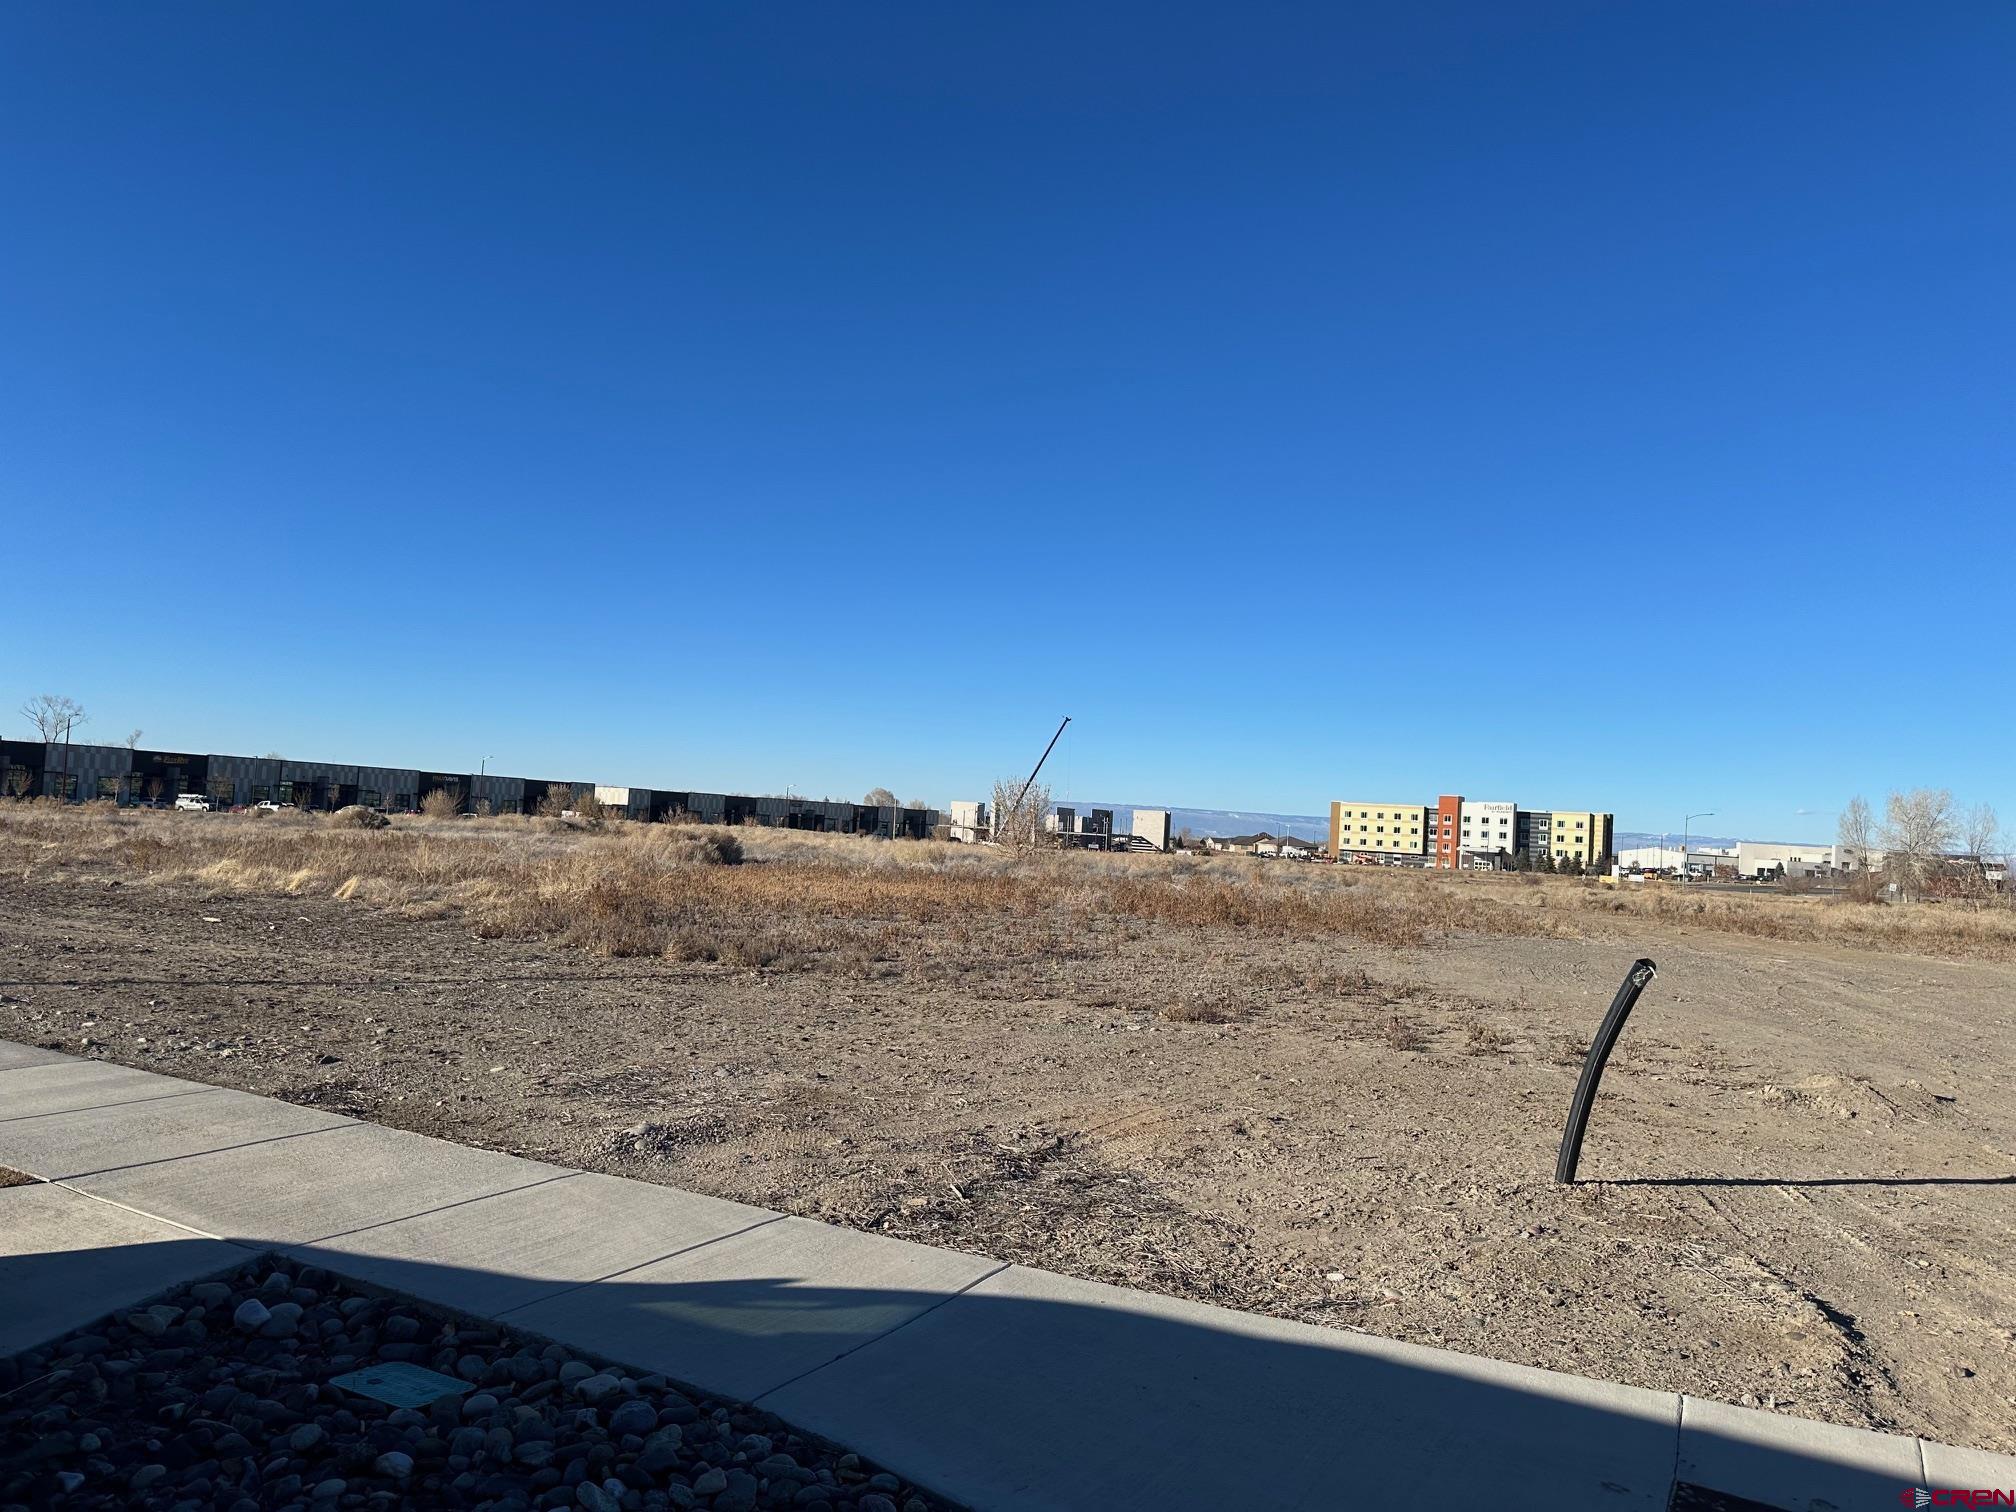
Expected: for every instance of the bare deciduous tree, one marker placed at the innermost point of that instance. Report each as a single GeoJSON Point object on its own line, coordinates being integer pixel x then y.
{"type": "Point", "coordinates": [1018, 814]}
{"type": "Point", "coordinates": [133, 740]}
{"type": "Point", "coordinates": [879, 798]}
{"type": "Point", "coordinates": [1856, 834]}
{"type": "Point", "coordinates": [1980, 832]}
{"type": "Point", "coordinates": [53, 715]}
{"type": "Point", "coordinates": [1981, 838]}
{"type": "Point", "coordinates": [1917, 832]}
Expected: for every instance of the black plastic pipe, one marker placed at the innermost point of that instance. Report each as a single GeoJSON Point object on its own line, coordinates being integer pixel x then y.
{"type": "Point", "coordinates": [1635, 980]}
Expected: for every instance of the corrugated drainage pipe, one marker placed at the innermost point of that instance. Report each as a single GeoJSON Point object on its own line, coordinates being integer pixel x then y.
{"type": "Point", "coordinates": [1635, 980]}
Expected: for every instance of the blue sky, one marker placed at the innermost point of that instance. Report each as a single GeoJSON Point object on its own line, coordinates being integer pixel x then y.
{"type": "Point", "coordinates": [1587, 404]}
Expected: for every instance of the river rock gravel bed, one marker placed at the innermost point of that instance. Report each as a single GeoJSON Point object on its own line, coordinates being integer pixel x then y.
{"type": "Point", "coordinates": [219, 1397]}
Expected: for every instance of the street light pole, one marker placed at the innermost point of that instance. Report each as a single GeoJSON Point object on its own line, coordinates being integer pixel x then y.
{"type": "Point", "coordinates": [1686, 832]}
{"type": "Point", "coordinates": [64, 779]}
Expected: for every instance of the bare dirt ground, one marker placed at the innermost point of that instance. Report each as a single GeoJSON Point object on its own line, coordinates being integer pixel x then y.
{"type": "Point", "coordinates": [1800, 1182]}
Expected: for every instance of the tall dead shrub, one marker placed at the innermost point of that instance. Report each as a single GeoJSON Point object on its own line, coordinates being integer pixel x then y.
{"type": "Point", "coordinates": [1018, 815]}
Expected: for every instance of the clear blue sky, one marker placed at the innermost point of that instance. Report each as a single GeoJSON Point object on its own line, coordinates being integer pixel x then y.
{"type": "Point", "coordinates": [1595, 404]}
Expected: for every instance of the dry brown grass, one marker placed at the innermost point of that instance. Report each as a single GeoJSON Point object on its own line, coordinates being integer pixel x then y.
{"type": "Point", "coordinates": [623, 889]}
{"type": "Point", "coordinates": [618, 888]}
{"type": "Point", "coordinates": [1980, 929]}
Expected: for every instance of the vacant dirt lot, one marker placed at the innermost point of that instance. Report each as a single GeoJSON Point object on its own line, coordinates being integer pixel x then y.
{"type": "Point", "coordinates": [1326, 1094]}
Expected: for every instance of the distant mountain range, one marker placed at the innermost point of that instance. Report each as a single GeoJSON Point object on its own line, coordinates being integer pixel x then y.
{"type": "Point", "coordinates": [1632, 839]}
{"type": "Point", "coordinates": [1203, 823]}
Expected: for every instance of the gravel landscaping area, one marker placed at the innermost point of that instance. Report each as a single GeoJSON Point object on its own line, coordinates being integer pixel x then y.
{"type": "Point", "coordinates": [221, 1397]}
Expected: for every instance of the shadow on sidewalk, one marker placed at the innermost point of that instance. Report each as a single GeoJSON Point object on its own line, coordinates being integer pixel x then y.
{"type": "Point", "coordinates": [1095, 1398]}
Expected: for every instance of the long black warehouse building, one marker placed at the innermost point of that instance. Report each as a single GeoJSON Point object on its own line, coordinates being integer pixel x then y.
{"type": "Point", "coordinates": [83, 773]}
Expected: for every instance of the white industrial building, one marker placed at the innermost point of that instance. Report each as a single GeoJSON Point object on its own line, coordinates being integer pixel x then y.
{"type": "Point", "coordinates": [967, 821]}
{"type": "Point", "coordinates": [1699, 860]}
{"type": "Point", "coordinates": [1765, 858]}
{"type": "Point", "coordinates": [1152, 826]}
{"type": "Point", "coordinates": [1751, 859]}
{"type": "Point", "coordinates": [1650, 858]}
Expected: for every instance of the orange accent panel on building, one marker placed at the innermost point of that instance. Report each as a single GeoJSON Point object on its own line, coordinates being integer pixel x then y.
{"type": "Point", "coordinates": [1443, 844]}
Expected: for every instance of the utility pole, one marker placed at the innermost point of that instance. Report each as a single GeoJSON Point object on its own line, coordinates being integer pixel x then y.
{"type": "Point", "coordinates": [64, 780]}
{"type": "Point", "coordinates": [1686, 833]}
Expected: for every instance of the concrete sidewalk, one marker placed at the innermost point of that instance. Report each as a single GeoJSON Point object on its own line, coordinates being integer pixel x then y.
{"type": "Point", "coordinates": [999, 1386]}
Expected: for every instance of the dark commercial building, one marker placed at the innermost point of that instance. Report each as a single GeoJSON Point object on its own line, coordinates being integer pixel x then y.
{"type": "Point", "coordinates": [83, 773]}
{"type": "Point", "coordinates": [166, 774]}
{"type": "Point", "coordinates": [21, 768]}
{"type": "Point", "coordinates": [491, 794]}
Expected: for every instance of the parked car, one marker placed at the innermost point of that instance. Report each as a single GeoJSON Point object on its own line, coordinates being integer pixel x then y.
{"type": "Point", "coordinates": [268, 806]}
{"type": "Point", "coordinates": [194, 803]}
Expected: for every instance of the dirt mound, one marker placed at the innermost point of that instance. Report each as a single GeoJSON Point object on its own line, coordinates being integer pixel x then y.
{"type": "Point", "coordinates": [1839, 1095]}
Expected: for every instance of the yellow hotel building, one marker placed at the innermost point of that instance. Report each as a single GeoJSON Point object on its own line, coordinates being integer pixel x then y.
{"type": "Point", "coordinates": [1387, 829]}
{"type": "Point", "coordinates": [1580, 835]}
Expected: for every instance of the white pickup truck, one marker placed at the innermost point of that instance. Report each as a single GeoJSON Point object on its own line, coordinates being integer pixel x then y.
{"type": "Point", "coordinates": [194, 802]}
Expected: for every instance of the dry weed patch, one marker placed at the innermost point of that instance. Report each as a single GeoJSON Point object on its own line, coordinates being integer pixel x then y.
{"type": "Point", "coordinates": [1197, 1010]}
{"type": "Point", "coordinates": [852, 904]}
{"type": "Point", "coordinates": [1480, 1038]}
{"type": "Point", "coordinates": [1402, 1031]}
